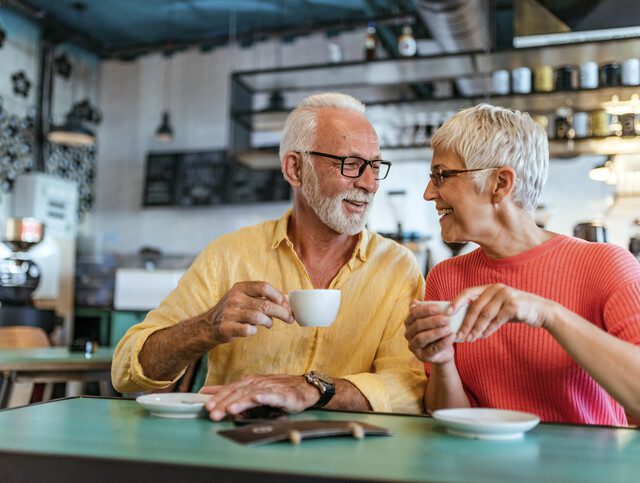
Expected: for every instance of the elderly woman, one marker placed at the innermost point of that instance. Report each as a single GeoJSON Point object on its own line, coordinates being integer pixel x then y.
{"type": "Point", "coordinates": [553, 322]}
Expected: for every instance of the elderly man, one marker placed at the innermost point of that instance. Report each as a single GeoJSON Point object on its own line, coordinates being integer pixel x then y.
{"type": "Point", "coordinates": [231, 302]}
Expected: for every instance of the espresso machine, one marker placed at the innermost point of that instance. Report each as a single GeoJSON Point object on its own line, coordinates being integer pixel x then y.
{"type": "Point", "coordinates": [20, 275]}
{"type": "Point", "coordinates": [53, 201]}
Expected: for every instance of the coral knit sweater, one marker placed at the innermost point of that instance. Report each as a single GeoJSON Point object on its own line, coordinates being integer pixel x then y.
{"type": "Point", "coordinates": [524, 368]}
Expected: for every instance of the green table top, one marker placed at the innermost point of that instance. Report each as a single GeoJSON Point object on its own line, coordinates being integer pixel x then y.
{"type": "Point", "coordinates": [34, 359]}
{"type": "Point", "coordinates": [121, 431]}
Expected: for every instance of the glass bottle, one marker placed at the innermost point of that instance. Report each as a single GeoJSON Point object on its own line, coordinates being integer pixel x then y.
{"type": "Point", "coordinates": [407, 46]}
{"type": "Point", "coordinates": [370, 42]}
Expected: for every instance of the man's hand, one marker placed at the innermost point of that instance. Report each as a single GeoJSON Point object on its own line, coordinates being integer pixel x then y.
{"type": "Point", "coordinates": [292, 394]}
{"type": "Point", "coordinates": [246, 306]}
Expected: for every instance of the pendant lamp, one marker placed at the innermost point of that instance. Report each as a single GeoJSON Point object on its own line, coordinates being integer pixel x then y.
{"type": "Point", "coordinates": [164, 133]}
{"type": "Point", "coordinates": [72, 132]}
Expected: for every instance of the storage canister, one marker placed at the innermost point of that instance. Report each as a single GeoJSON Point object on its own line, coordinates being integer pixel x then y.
{"type": "Point", "coordinates": [599, 123]}
{"type": "Point", "coordinates": [566, 78]}
{"type": "Point", "coordinates": [615, 128]}
{"type": "Point", "coordinates": [628, 123]}
{"type": "Point", "coordinates": [543, 78]}
{"type": "Point", "coordinates": [631, 72]}
{"type": "Point", "coordinates": [581, 124]}
{"type": "Point", "coordinates": [562, 124]}
{"type": "Point", "coordinates": [610, 74]}
{"type": "Point", "coordinates": [500, 82]}
{"type": "Point", "coordinates": [588, 75]}
{"type": "Point", "coordinates": [521, 80]}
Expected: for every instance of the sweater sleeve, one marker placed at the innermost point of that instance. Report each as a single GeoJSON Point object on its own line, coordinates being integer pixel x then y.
{"type": "Point", "coordinates": [622, 304]}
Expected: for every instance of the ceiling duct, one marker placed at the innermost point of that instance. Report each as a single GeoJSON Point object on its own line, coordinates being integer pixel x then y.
{"type": "Point", "coordinates": [457, 26]}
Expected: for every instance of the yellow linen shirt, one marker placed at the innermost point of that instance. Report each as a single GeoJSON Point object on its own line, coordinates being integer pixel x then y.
{"type": "Point", "coordinates": [365, 345]}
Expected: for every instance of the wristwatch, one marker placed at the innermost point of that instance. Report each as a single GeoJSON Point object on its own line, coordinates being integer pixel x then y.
{"type": "Point", "coordinates": [324, 384]}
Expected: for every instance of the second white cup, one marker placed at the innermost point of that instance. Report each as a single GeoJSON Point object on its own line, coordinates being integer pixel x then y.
{"type": "Point", "coordinates": [316, 307]}
{"type": "Point", "coordinates": [456, 318]}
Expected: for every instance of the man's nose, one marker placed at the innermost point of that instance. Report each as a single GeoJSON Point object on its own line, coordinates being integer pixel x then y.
{"type": "Point", "coordinates": [367, 180]}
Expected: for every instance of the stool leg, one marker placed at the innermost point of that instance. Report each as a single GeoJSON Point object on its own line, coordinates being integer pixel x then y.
{"type": "Point", "coordinates": [74, 388]}
{"type": "Point", "coordinates": [47, 392]}
{"type": "Point", "coordinates": [21, 393]}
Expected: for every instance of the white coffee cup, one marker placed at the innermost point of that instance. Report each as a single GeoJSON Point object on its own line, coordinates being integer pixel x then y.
{"type": "Point", "coordinates": [456, 318]}
{"type": "Point", "coordinates": [316, 307]}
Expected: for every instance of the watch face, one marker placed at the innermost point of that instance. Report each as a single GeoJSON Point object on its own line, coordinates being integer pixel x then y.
{"type": "Point", "coordinates": [322, 377]}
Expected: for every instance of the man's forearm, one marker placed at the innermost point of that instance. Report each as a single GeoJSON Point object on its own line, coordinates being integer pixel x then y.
{"type": "Point", "coordinates": [166, 352]}
{"type": "Point", "coordinates": [348, 397]}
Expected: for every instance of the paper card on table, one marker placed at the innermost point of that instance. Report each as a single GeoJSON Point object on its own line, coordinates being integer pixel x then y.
{"type": "Point", "coordinates": [295, 430]}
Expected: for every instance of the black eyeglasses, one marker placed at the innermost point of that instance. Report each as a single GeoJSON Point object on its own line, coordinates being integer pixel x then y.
{"type": "Point", "coordinates": [353, 166]}
{"type": "Point", "coordinates": [440, 175]}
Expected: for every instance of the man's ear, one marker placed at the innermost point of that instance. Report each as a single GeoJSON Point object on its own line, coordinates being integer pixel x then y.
{"type": "Point", "coordinates": [503, 184]}
{"type": "Point", "coordinates": [292, 168]}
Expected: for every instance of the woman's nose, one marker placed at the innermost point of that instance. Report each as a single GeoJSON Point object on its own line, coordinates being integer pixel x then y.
{"type": "Point", "coordinates": [430, 192]}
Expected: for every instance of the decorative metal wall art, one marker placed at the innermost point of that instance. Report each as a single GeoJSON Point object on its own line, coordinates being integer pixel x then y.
{"type": "Point", "coordinates": [76, 164]}
{"type": "Point", "coordinates": [63, 66]}
{"type": "Point", "coordinates": [21, 83]}
{"type": "Point", "coordinates": [16, 146]}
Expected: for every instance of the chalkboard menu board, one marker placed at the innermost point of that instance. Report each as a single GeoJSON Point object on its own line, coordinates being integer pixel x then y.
{"type": "Point", "coordinates": [208, 178]}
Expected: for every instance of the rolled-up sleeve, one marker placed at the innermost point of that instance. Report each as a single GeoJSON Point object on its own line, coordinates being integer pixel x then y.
{"type": "Point", "coordinates": [191, 297]}
{"type": "Point", "coordinates": [398, 382]}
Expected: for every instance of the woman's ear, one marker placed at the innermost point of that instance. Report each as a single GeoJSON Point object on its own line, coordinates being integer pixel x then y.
{"type": "Point", "coordinates": [504, 184]}
{"type": "Point", "coordinates": [292, 168]}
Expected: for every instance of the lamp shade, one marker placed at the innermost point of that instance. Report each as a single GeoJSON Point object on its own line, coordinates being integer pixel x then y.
{"type": "Point", "coordinates": [165, 131]}
{"type": "Point", "coordinates": [71, 133]}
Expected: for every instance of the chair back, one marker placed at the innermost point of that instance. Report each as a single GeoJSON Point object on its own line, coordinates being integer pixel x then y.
{"type": "Point", "coordinates": [20, 337]}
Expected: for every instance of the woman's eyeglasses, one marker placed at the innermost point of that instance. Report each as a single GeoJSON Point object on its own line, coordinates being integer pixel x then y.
{"type": "Point", "coordinates": [438, 176]}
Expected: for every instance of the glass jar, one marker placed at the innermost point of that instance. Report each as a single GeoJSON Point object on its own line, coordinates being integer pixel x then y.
{"type": "Point", "coordinates": [543, 78]}
{"type": "Point", "coordinates": [610, 74]}
{"type": "Point", "coordinates": [599, 121]}
{"type": "Point", "coordinates": [566, 78]}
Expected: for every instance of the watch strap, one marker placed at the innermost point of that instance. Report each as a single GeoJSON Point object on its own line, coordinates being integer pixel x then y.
{"type": "Point", "coordinates": [326, 388]}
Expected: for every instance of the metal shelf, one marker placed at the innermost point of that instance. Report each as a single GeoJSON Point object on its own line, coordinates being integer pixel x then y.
{"type": "Point", "coordinates": [475, 66]}
{"type": "Point", "coordinates": [426, 68]}
{"type": "Point", "coordinates": [533, 103]}
{"type": "Point", "coordinates": [267, 157]}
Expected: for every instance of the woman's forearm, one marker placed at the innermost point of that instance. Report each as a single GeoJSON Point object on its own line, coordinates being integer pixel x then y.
{"type": "Point", "coordinates": [613, 363]}
{"type": "Point", "coordinates": [444, 389]}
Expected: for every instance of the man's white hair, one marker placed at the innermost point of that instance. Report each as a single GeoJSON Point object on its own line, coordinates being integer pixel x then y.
{"type": "Point", "coordinates": [300, 128]}
{"type": "Point", "coordinates": [486, 136]}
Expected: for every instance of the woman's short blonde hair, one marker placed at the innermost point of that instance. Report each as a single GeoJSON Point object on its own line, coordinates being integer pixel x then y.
{"type": "Point", "coordinates": [486, 136]}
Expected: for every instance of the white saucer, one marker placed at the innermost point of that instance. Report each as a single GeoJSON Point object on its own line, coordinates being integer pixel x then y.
{"type": "Point", "coordinates": [175, 404]}
{"type": "Point", "coordinates": [486, 423]}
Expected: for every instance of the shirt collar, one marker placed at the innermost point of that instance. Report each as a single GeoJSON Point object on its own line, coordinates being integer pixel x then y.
{"type": "Point", "coordinates": [280, 233]}
{"type": "Point", "coordinates": [280, 236]}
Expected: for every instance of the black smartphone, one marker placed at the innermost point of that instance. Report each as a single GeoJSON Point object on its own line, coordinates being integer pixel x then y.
{"type": "Point", "coordinates": [259, 415]}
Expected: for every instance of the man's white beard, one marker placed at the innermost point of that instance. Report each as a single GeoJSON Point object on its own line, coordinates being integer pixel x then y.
{"type": "Point", "coordinates": [329, 209]}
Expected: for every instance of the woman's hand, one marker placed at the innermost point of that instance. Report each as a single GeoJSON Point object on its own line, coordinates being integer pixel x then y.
{"type": "Point", "coordinates": [490, 306]}
{"type": "Point", "coordinates": [427, 330]}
